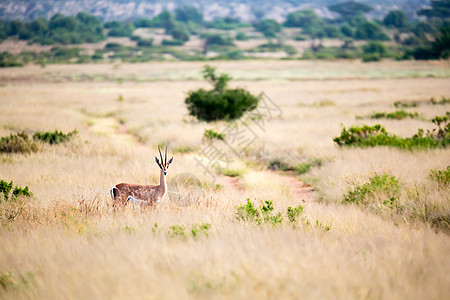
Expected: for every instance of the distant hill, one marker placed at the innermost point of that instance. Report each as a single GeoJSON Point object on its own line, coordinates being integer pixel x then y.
{"type": "Point", "coordinates": [131, 9]}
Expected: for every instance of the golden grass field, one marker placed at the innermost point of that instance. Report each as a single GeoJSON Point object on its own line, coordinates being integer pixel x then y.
{"type": "Point", "coordinates": [66, 242]}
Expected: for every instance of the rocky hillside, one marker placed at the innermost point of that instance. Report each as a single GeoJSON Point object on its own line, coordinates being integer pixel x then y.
{"type": "Point", "coordinates": [130, 9]}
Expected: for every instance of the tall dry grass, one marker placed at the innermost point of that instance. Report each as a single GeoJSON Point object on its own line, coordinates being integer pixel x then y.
{"type": "Point", "coordinates": [68, 242]}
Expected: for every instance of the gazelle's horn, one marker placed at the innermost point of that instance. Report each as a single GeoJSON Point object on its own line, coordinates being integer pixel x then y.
{"type": "Point", "coordinates": [165, 162]}
{"type": "Point", "coordinates": [160, 155]}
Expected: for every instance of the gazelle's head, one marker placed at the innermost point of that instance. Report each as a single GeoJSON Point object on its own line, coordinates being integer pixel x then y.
{"type": "Point", "coordinates": [164, 164]}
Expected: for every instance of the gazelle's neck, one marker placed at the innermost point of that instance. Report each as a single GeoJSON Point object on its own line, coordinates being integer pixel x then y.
{"type": "Point", "coordinates": [162, 181]}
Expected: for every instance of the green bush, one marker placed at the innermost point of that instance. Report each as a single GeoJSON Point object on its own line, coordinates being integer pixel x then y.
{"type": "Point", "coordinates": [278, 164]}
{"type": "Point", "coordinates": [303, 168]}
{"type": "Point", "coordinates": [442, 177]}
{"type": "Point", "coordinates": [200, 229]}
{"type": "Point", "coordinates": [5, 189]}
{"type": "Point", "coordinates": [145, 42]}
{"type": "Point", "coordinates": [443, 101]}
{"type": "Point", "coordinates": [8, 60]}
{"type": "Point", "coordinates": [119, 29]}
{"type": "Point", "coordinates": [405, 104]}
{"type": "Point", "coordinates": [371, 31]}
{"type": "Point", "coordinates": [17, 143]}
{"type": "Point", "coordinates": [396, 115]}
{"type": "Point", "coordinates": [166, 42]}
{"type": "Point", "coordinates": [386, 185]}
{"type": "Point", "coordinates": [370, 57]}
{"type": "Point", "coordinates": [249, 213]}
{"type": "Point", "coordinates": [294, 212]}
{"type": "Point", "coordinates": [181, 33]}
{"type": "Point", "coordinates": [177, 231]}
{"type": "Point", "coordinates": [371, 136]}
{"type": "Point", "coordinates": [241, 36]}
{"type": "Point", "coordinates": [55, 137]}
{"type": "Point", "coordinates": [216, 39]}
{"type": "Point", "coordinates": [268, 27]}
{"type": "Point", "coordinates": [220, 103]}
{"type": "Point", "coordinates": [210, 134]}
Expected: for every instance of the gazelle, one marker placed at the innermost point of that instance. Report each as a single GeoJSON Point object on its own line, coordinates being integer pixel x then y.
{"type": "Point", "coordinates": [145, 195]}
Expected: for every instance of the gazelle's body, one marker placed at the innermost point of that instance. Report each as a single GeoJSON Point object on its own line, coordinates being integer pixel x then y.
{"type": "Point", "coordinates": [145, 195]}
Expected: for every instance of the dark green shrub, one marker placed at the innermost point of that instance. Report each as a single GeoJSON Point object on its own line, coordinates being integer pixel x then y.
{"type": "Point", "coordinates": [371, 136]}
{"type": "Point", "coordinates": [278, 164]}
{"type": "Point", "coordinates": [187, 14]}
{"type": "Point", "coordinates": [200, 229]}
{"type": "Point", "coordinates": [180, 33]}
{"type": "Point", "coordinates": [219, 103]}
{"type": "Point", "coordinates": [17, 143]}
{"type": "Point", "coordinates": [8, 60]}
{"type": "Point", "coordinates": [177, 231]}
{"type": "Point", "coordinates": [371, 31]}
{"type": "Point", "coordinates": [267, 214]}
{"type": "Point", "coordinates": [113, 47]}
{"type": "Point", "coordinates": [166, 42]}
{"type": "Point", "coordinates": [119, 29]}
{"type": "Point", "coordinates": [145, 42]}
{"type": "Point", "coordinates": [268, 27]}
{"type": "Point", "coordinates": [5, 189]}
{"type": "Point", "coordinates": [385, 184]}
{"type": "Point", "coordinates": [294, 212]}
{"type": "Point", "coordinates": [396, 115]}
{"type": "Point", "coordinates": [54, 137]}
{"type": "Point", "coordinates": [405, 104]}
{"type": "Point", "coordinates": [442, 177]}
{"type": "Point", "coordinates": [248, 212]}
{"type": "Point", "coordinates": [443, 101]}
{"type": "Point", "coordinates": [216, 39]}
{"type": "Point", "coordinates": [241, 36]}
{"type": "Point", "coordinates": [210, 134]}
{"type": "Point", "coordinates": [397, 19]}
{"type": "Point", "coordinates": [371, 57]}
{"type": "Point", "coordinates": [356, 135]}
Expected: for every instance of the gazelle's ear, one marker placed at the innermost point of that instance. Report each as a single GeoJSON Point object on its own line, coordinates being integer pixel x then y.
{"type": "Point", "coordinates": [170, 161]}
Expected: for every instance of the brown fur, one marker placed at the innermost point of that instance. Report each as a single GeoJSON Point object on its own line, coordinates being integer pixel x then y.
{"type": "Point", "coordinates": [145, 195]}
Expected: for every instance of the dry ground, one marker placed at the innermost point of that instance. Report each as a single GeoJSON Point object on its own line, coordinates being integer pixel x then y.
{"type": "Point", "coordinates": [66, 242]}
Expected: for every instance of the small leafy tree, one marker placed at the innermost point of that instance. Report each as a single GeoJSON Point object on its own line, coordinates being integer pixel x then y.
{"type": "Point", "coordinates": [350, 9]}
{"type": "Point", "coordinates": [397, 19]}
{"type": "Point", "coordinates": [220, 103]}
{"type": "Point", "coordinates": [268, 27]}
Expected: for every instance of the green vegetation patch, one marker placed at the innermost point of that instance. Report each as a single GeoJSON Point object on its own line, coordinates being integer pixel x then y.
{"type": "Point", "coordinates": [22, 143]}
{"type": "Point", "coordinates": [442, 177]}
{"type": "Point", "coordinates": [220, 103]}
{"type": "Point", "coordinates": [265, 214]}
{"type": "Point", "coordinates": [372, 136]}
{"type": "Point", "coordinates": [55, 137]}
{"type": "Point", "coordinates": [17, 143]}
{"type": "Point", "coordinates": [386, 185]}
{"type": "Point", "coordinates": [405, 104]}
{"type": "Point", "coordinates": [211, 134]}
{"type": "Point", "coordinates": [300, 168]}
{"type": "Point", "coordinates": [396, 115]}
{"type": "Point", "coordinates": [5, 189]}
{"type": "Point", "coordinates": [443, 101]}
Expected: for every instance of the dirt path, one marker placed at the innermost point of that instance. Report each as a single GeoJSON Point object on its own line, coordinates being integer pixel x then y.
{"type": "Point", "coordinates": [299, 190]}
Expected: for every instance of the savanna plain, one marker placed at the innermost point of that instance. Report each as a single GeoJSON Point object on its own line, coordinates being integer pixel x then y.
{"type": "Point", "coordinates": [205, 240]}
